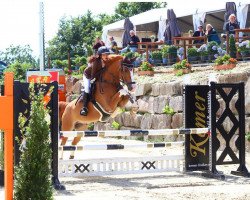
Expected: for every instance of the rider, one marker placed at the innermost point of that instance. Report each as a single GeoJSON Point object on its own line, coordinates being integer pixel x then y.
{"type": "Point", "coordinates": [90, 75]}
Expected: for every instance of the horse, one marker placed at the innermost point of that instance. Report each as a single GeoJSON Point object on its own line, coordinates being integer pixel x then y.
{"type": "Point", "coordinates": [107, 97]}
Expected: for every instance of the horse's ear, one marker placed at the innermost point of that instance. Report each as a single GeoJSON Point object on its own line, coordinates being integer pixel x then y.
{"type": "Point", "coordinates": [115, 58]}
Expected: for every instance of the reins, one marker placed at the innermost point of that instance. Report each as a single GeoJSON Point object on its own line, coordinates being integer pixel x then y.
{"type": "Point", "coordinates": [116, 82]}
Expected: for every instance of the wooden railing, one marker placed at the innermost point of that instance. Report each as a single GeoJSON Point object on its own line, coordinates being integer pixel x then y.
{"type": "Point", "coordinates": [238, 38]}
{"type": "Point", "coordinates": [148, 45]}
{"type": "Point", "coordinates": [187, 42]}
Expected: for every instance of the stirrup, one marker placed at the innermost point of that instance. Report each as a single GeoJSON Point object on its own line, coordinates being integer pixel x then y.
{"type": "Point", "coordinates": [84, 111]}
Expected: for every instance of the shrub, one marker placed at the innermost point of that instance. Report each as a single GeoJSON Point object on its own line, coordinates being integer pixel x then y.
{"type": "Point", "coordinates": [82, 68]}
{"type": "Point", "coordinates": [115, 125]}
{"type": "Point", "coordinates": [146, 66]}
{"type": "Point", "coordinates": [212, 47]}
{"type": "Point", "coordinates": [168, 111]}
{"type": "Point", "coordinates": [129, 54]}
{"type": "Point", "coordinates": [203, 50]}
{"type": "Point", "coordinates": [33, 175]}
{"type": "Point", "coordinates": [89, 50]}
{"type": "Point", "coordinates": [80, 60]}
{"type": "Point", "coordinates": [19, 70]}
{"type": "Point", "coordinates": [192, 52]}
{"type": "Point", "coordinates": [244, 46]}
{"type": "Point", "coordinates": [248, 136]}
{"type": "Point", "coordinates": [182, 65]}
{"type": "Point", "coordinates": [179, 73]}
{"type": "Point", "coordinates": [165, 51]}
{"type": "Point", "coordinates": [226, 59]}
{"type": "Point", "coordinates": [156, 55]}
{"type": "Point", "coordinates": [58, 63]}
{"type": "Point", "coordinates": [91, 126]}
{"type": "Point", "coordinates": [67, 71]}
{"type": "Point", "coordinates": [232, 46]}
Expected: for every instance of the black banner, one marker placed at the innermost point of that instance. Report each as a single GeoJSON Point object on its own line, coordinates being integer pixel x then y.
{"type": "Point", "coordinates": [22, 105]}
{"type": "Point", "coordinates": [196, 116]}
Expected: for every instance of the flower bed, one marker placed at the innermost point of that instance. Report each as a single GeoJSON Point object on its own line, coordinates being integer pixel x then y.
{"type": "Point", "coordinates": [225, 62]}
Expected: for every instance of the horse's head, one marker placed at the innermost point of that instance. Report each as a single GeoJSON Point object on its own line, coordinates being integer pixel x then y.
{"type": "Point", "coordinates": [119, 71]}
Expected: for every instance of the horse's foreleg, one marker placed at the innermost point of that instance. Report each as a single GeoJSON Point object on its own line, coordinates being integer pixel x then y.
{"type": "Point", "coordinates": [117, 98]}
{"type": "Point", "coordinates": [123, 101]}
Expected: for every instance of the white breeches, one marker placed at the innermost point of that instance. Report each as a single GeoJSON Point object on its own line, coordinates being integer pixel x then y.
{"type": "Point", "coordinates": [86, 84]}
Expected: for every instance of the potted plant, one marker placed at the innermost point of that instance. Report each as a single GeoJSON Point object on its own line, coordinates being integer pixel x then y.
{"type": "Point", "coordinates": [232, 46]}
{"type": "Point", "coordinates": [225, 62]}
{"type": "Point", "coordinates": [145, 69]}
{"type": "Point", "coordinates": [203, 53]}
{"type": "Point", "coordinates": [180, 53]}
{"type": "Point", "coordinates": [182, 67]}
{"type": "Point", "coordinates": [156, 56]}
{"type": "Point", "coordinates": [172, 54]}
{"type": "Point", "coordinates": [212, 49]}
{"type": "Point", "coordinates": [129, 54]}
{"type": "Point", "coordinates": [244, 49]}
{"type": "Point", "coordinates": [164, 52]}
{"type": "Point", "coordinates": [192, 54]}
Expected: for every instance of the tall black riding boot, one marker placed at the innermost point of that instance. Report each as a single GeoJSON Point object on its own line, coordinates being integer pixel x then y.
{"type": "Point", "coordinates": [85, 100]}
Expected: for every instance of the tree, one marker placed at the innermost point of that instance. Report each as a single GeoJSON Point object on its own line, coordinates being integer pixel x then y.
{"type": "Point", "coordinates": [21, 54]}
{"type": "Point", "coordinates": [77, 34]}
{"type": "Point", "coordinates": [72, 34]}
{"type": "Point", "coordinates": [128, 9]}
{"type": "Point", "coordinates": [33, 175]}
{"type": "Point", "coordinates": [19, 70]}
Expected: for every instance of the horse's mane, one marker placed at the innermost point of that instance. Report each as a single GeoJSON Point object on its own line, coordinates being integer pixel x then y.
{"type": "Point", "coordinates": [106, 59]}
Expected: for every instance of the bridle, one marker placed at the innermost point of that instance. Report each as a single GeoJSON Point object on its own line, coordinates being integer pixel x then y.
{"type": "Point", "coordinates": [123, 68]}
{"type": "Point", "coordinates": [115, 81]}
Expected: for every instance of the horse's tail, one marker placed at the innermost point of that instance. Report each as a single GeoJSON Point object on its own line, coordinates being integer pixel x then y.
{"type": "Point", "coordinates": [62, 105]}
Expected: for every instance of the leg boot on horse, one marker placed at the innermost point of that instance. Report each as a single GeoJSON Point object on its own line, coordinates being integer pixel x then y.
{"type": "Point", "coordinates": [85, 100]}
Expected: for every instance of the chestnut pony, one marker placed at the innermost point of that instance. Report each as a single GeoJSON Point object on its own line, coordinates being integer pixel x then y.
{"type": "Point", "coordinates": [108, 93]}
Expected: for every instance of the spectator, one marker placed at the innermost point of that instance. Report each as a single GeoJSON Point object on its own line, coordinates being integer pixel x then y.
{"type": "Point", "coordinates": [132, 46]}
{"type": "Point", "coordinates": [98, 43]}
{"type": "Point", "coordinates": [199, 33]}
{"type": "Point", "coordinates": [232, 24]}
{"type": "Point", "coordinates": [113, 44]}
{"type": "Point", "coordinates": [212, 34]}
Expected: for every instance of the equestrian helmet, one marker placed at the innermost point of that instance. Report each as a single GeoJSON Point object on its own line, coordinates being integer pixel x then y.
{"type": "Point", "coordinates": [103, 50]}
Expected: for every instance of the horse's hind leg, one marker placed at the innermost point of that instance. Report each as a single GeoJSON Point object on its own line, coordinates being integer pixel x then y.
{"type": "Point", "coordinates": [76, 140]}
{"type": "Point", "coordinates": [67, 125]}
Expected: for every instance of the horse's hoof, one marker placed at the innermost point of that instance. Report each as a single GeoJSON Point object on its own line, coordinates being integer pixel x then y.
{"type": "Point", "coordinates": [71, 157]}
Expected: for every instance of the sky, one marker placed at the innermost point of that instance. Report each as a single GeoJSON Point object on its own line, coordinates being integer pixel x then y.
{"type": "Point", "coordinates": [19, 19]}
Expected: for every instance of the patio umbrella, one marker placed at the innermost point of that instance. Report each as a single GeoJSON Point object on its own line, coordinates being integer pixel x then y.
{"type": "Point", "coordinates": [128, 25]}
{"type": "Point", "coordinates": [172, 28]}
{"type": "Point", "coordinates": [230, 9]}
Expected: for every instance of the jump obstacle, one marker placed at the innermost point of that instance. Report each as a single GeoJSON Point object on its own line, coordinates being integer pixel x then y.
{"type": "Point", "coordinates": [200, 149]}
{"type": "Point", "coordinates": [123, 165]}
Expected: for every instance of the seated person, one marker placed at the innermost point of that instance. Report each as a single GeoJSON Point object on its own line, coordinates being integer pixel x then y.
{"type": "Point", "coordinates": [199, 33]}
{"type": "Point", "coordinates": [113, 44]}
{"type": "Point", "coordinates": [232, 24]}
{"type": "Point", "coordinates": [98, 43]}
{"type": "Point", "coordinates": [132, 45]}
{"type": "Point", "coordinates": [212, 34]}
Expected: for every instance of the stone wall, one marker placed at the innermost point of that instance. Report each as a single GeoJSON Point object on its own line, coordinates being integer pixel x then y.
{"type": "Point", "coordinates": [147, 111]}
